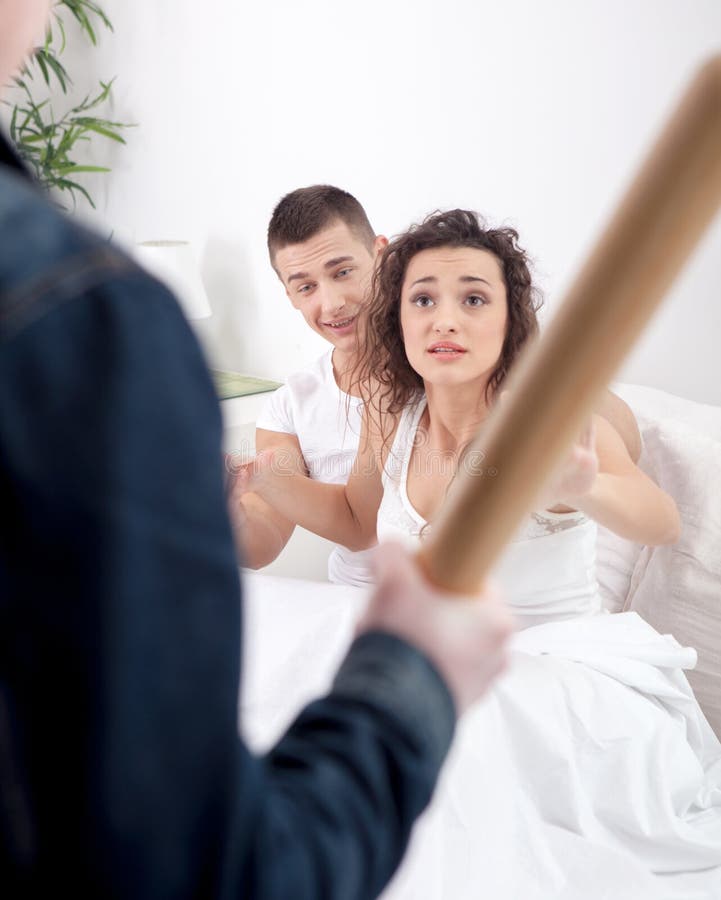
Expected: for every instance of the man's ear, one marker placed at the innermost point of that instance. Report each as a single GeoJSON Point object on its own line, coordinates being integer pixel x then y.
{"type": "Point", "coordinates": [379, 244]}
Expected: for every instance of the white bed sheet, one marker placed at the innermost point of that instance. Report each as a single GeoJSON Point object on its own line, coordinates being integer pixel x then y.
{"type": "Point", "coordinates": [522, 811]}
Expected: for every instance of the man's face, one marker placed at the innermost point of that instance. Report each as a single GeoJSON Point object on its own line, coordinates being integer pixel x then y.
{"type": "Point", "coordinates": [21, 24]}
{"type": "Point", "coordinates": [327, 279]}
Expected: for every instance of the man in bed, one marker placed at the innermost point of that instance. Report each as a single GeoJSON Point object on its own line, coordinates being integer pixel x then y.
{"type": "Point", "coordinates": [323, 249]}
{"type": "Point", "coordinates": [121, 770]}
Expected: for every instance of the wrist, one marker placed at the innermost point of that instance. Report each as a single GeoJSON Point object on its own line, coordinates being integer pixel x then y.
{"type": "Point", "coordinates": [385, 669]}
{"type": "Point", "coordinates": [579, 501]}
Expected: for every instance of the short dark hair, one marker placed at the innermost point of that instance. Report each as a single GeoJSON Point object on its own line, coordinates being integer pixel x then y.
{"type": "Point", "coordinates": [383, 358]}
{"type": "Point", "coordinates": [301, 214]}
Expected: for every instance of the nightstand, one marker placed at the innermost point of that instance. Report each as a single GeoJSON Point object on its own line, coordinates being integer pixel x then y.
{"type": "Point", "coordinates": [242, 400]}
{"type": "Point", "coordinates": [239, 417]}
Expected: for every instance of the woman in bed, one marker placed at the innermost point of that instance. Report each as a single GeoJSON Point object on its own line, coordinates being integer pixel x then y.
{"type": "Point", "coordinates": [591, 702]}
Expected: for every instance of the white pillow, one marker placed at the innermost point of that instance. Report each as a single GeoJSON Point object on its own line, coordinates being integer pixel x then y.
{"type": "Point", "coordinates": [652, 405]}
{"type": "Point", "coordinates": [616, 557]}
{"type": "Point", "coordinates": [677, 589]}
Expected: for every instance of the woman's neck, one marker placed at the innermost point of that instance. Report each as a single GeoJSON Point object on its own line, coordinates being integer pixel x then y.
{"type": "Point", "coordinates": [453, 414]}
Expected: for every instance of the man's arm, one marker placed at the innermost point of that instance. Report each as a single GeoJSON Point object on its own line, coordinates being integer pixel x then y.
{"type": "Point", "coordinates": [261, 531]}
{"type": "Point", "coordinates": [345, 514]}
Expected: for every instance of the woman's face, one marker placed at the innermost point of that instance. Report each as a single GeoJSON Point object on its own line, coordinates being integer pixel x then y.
{"type": "Point", "coordinates": [453, 314]}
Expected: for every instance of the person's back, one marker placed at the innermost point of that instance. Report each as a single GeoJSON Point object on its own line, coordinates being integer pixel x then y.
{"type": "Point", "coordinates": [91, 521]}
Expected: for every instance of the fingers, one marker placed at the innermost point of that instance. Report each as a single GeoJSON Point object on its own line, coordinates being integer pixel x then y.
{"type": "Point", "coordinates": [391, 563]}
{"type": "Point", "coordinates": [394, 575]}
{"type": "Point", "coordinates": [499, 624]}
{"type": "Point", "coordinates": [235, 461]}
{"type": "Point", "coordinates": [588, 434]}
{"type": "Point", "coordinates": [248, 474]}
{"type": "Point", "coordinates": [243, 478]}
{"type": "Point", "coordinates": [241, 516]}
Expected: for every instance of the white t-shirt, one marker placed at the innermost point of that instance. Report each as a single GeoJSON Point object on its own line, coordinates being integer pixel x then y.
{"type": "Point", "coordinates": [327, 423]}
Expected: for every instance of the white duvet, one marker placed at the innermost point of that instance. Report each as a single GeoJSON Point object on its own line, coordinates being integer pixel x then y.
{"type": "Point", "coordinates": [587, 772]}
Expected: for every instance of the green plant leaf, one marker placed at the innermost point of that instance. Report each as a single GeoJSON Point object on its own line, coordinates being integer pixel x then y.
{"type": "Point", "coordinates": [92, 7]}
{"type": "Point", "coordinates": [67, 170]}
{"type": "Point", "coordinates": [77, 10]}
{"type": "Point", "coordinates": [42, 65]}
{"type": "Point", "coordinates": [63, 37]}
{"type": "Point", "coordinates": [65, 184]}
{"type": "Point", "coordinates": [101, 127]}
{"type": "Point", "coordinates": [88, 104]}
{"type": "Point", "coordinates": [48, 143]}
{"type": "Point", "coordinates": [70, 137]}
{"type": "Point", "coordinates": [33, 138]}
{"type": "Point", "coordinates": [58, 69]}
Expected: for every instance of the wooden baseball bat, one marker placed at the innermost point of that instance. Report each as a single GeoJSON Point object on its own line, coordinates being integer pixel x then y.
{"type": "Point", "coordinates": [557, 380]}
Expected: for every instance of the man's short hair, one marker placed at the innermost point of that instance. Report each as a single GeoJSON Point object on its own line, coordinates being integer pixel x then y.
{"type": "Point", "coordinates": [301, 214]}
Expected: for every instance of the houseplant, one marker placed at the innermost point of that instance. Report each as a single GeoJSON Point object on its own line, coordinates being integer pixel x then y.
{"type": "Point", "coordinates": [49, 143]}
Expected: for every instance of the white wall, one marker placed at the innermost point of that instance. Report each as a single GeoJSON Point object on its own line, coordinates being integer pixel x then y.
{"type": "Point", "coordinates": [534, 113]}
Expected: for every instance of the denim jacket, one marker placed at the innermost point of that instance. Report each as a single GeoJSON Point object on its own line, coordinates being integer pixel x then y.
{"type": "Point", "coordinates": [121, 770]}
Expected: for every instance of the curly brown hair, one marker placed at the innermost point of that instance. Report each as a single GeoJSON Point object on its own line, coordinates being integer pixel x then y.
{"type": "Point", "coordinates": [386, 378]}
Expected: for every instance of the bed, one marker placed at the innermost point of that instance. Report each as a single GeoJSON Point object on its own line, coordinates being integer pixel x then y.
{"type": "Point", "coordinates": [297, 630]}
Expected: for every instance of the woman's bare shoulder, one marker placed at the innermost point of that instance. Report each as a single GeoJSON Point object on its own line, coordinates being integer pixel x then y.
{"type": "Point", "coordinates": [620, 415]}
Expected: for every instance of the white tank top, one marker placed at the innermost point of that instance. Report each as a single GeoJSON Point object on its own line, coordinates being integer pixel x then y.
{"type": "Point", "coordinates": [547, 572]}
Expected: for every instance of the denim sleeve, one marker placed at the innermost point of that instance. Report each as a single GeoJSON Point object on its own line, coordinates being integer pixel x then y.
{"type": "Point", "coordinates": [120, 607]}
{"type": "Point", "coordinates": [351, 776]}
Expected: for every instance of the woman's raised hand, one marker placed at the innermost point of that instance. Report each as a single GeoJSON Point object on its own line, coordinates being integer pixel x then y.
{"type": "Point", "coordinates": [577, 475]}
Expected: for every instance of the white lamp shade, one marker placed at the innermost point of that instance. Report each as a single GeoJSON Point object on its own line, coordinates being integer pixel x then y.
{"type": "Point", "coordinates": [174, 263]}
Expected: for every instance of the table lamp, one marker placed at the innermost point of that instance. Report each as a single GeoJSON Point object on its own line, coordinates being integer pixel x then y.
{"type": "Point", "coordinates": [174, 263]}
